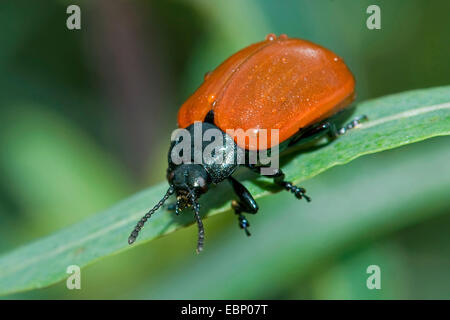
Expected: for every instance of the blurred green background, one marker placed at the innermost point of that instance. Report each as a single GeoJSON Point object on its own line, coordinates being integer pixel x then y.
{"type": "Point", "coordinates": [86, 118]}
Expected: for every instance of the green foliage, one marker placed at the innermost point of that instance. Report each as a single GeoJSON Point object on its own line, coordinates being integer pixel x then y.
{"type": "Point", "coordinates": [65, 137]}
{"type": "Point", "coordinates": [395, 121]}
{"type": "Point", "coordinates": [322, 249]}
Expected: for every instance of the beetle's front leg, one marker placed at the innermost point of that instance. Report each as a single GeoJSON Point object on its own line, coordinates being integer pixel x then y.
{"type": "Point", "coordinates": [246, 203]}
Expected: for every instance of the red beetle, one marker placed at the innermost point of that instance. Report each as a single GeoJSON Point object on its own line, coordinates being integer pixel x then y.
{"type": "Point", "coordinates": [291, 85]}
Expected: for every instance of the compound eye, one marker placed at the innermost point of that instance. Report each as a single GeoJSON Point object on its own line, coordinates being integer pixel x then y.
{"type": "Point", "coordinates": [170, 176]}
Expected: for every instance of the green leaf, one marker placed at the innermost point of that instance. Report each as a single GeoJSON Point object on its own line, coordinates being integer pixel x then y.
{"type": "Point", "coordinates": [293, 242]}
{"type": "Point", "coordinates": [411, 260]}
{"type": "Point", "coordinates": [393, 121]}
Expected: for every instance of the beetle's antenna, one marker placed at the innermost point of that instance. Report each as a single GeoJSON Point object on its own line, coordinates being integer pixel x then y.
{"type": "Point", "coordinates": [201, 230]}
{"type": "Point", "coordinates": [140, 224]}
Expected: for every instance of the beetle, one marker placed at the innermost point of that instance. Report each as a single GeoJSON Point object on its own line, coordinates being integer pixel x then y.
{"type": "Point", "coordinates": [288, 84]}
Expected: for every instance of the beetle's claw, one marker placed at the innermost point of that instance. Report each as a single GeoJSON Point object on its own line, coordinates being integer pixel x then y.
{"type": "Point", "coordinates": [243, 223]}
{"type": "Point", "coordinates": [299, 192]}
{"type": "Point", "coordinates": [354, 123]}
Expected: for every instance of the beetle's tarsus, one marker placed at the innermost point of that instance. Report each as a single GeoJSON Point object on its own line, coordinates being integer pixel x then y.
{"type": "Point", "coordinates": [352, 124]}
{"type": "Point", "coordinates": [246, 204]}
{"type": "Point", "coordinates": [299, 192]}
{"type": "Point", "coordinates": [243, 222]}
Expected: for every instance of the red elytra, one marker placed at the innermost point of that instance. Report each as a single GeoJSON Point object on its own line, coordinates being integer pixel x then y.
{"type": "Point", "coordinates": [280, 83]}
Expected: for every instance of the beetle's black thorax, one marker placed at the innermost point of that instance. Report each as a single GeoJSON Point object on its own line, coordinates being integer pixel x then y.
{"type": "Point", "coordinates": [208, 146]}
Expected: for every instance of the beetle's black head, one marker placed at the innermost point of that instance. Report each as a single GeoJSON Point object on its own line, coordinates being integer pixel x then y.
{"type": "Point", "coordinates": [189, 180]}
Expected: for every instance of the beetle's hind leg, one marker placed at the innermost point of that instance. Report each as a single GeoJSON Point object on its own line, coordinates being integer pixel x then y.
{"type": "Point", "coordinates": [326, 128]}
{"type": "Point", "coordinates": [246, 203]}
{"type": "Point", "coordinates": [352, 124]}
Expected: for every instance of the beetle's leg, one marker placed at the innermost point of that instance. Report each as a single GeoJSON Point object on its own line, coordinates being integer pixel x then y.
{"type": "Point", "coordinates": [314, 132]}
{"type": "Point", "coordinates": [278, 177]}
{"type": "Point", "coordinates": [246, 203]}
{"type": "Point", "coordinates": [299, 192]}
{"type": "Point", "coordinates": [326, 128]}
{"type": "Point", "coordinates": [350, 125]}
